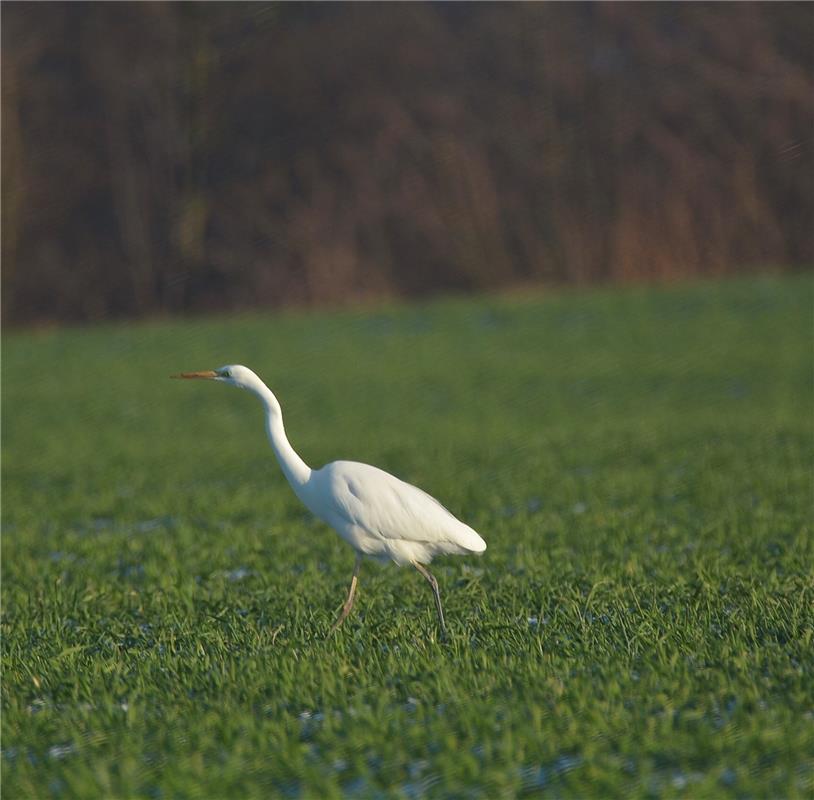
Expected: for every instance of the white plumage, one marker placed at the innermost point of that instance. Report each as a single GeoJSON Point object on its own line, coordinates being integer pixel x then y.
{"type": "Point", "coordinates": [379, 515]}
{"type": "Point", "coordinates": [373, 511]}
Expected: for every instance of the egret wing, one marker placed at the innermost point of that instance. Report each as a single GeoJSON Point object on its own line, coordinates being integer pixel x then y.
{"type": "Point", "coordinates": [388, 507]}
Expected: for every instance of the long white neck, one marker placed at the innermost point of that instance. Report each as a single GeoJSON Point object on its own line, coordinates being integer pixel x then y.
{"type": "Point", "coordinates": [296, 470]}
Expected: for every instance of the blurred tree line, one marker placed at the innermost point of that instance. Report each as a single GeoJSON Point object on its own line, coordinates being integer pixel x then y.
{"type": "Point", "coordinates": [160, 157]}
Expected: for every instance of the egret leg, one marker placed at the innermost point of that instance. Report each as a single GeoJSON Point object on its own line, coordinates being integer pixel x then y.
{"type": "Point", "coordinates": [434, 583]}
{"type": "Point", "coordinates": [351, 594]}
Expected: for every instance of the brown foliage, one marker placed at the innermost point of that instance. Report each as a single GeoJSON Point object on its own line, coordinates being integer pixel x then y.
{"type": "Point", "coordinates": [161, 157]}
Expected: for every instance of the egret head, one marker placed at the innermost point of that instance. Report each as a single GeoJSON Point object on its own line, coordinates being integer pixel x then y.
{"type": "Point", "coordinates": [233, 374]}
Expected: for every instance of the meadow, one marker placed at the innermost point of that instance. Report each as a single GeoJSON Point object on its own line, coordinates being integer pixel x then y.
{"type": "Point", "coordinates": [639, 462]}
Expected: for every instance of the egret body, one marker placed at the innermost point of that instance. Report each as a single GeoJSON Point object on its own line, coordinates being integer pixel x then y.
{"type": "Point", "coordinates": [377, 514]}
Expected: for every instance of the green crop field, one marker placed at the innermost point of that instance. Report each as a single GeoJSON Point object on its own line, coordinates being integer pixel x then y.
{"type": "Point", "coordinates": [638, 460]}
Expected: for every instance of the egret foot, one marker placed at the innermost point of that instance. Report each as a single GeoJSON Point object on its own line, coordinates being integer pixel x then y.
{"type": "Point", "coordinates": [434, 583]}
{"type": "Point", "coordinates": [351, 594]}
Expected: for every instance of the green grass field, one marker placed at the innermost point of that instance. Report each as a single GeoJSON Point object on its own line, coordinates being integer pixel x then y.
{"type": "Point", "coordinates": [639, 462]}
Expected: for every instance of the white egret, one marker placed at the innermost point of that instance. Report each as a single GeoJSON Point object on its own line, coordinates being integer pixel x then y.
{"type": "Point", "coordinates": [377, 514]}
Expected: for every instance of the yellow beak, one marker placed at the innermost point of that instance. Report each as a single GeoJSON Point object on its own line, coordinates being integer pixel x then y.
{"type": "Point", "coordinates": [205, 374]}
